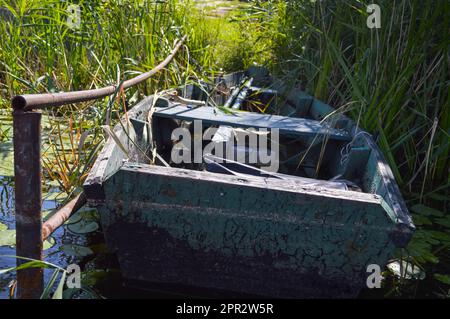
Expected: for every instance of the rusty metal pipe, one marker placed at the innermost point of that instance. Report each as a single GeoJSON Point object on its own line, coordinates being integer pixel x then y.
{"type": "Point", "coordinates": [62, 215]}
{"type": "Point", "coordinates": [39, 101]}
{"type": "Point", "coordinates": [28, 194]}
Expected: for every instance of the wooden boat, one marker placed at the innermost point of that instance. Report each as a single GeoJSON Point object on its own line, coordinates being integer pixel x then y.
{"type": "Point", "coordinates": [310, 229]}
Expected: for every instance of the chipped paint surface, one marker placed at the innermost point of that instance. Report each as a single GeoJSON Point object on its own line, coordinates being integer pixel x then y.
{"type": "Point", "coordinates": [294, 233]}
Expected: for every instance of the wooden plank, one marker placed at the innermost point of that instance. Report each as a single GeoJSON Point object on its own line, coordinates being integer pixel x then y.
{"type": "Point", "coordinates": [289, 126]}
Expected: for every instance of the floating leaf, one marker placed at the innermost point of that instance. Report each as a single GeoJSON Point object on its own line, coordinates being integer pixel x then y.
{"type": "Point", "coordinates": [8, 237]}
{"type": "Point", "coordinates": [49, 243]}
{"type": "Point", "coordinates": [3, 227]}
{"type": "Point", "coordinates": [55, 196]}
{"type": "Point", "coordinates": [76, 250]}
{"type": "Point", "coordinates": [90, 277]}
{"type": "Point", "coordinates": [75, 218]}
{"type": "Point", "coordinates": [6, 159]}
{"type": "Point", "coordinates": [46, 214]}
{"type": "Point", "coordinates": [89, 214]}
{"type": "Point", "coordinates": [407, 270]}
{"type": "Point", "coordinates": [83, 227]}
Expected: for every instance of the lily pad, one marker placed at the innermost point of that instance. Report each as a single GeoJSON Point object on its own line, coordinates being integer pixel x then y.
{"type": "Point", "coordinates": [406, 270]}
{"type": "Point", "coordinates": [49, 243]}
{"type": "Point", "coordinates": [83, 227]}
{"type": "Point", "coordinates": [55, 196]}
{"type": "Point", "coordinates": [46, 214]}
{"type": "Point", "coordinates": [6, 159]}
{"type": "Point", "coordinates": [91, 277]}
{"type": "Point", "coordinates": [76, 250]}
{"type": "Point", "coordinates": [3, 227]}
{"type": "Point", "coordinates": [8, 237]}
{"type": "Point", "coordinates": [86, 214]}
{"type": "Point", "coordinates": [89, 213]}
{"type": "Point", "coordinates": [75, 218]}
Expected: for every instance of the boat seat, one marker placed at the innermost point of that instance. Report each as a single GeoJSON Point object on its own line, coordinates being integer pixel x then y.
{"type": "Point", "coordinates": [288, 126]}
{"type": "Point", "coordinates": [221, 165]}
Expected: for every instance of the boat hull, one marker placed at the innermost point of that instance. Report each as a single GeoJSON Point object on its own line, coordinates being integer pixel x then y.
{"type": "Point", "coordinates": [265, 238]}
{"type": "Point", "coordinates": [289, 238]}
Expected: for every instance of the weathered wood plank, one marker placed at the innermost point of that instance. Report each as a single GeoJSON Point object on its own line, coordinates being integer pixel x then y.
{"type": "Point", "coordinates": [266, 236]}
{"type": "Point", "coordinates": [289, 126]}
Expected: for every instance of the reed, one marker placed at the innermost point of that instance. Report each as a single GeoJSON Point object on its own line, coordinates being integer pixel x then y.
{"type": "Point", "coordinates": [395, 78]}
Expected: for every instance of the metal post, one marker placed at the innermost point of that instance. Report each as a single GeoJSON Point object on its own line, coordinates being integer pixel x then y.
{"type": "Point", "coordinates": [27, 173]}
{"type": "Point", "coordinates": [28, 195]}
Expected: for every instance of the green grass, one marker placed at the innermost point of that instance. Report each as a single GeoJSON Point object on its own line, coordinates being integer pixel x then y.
{"type": "Point", "coordinates": [396, 79]}
{"type": "Point", "coordinates": [40, 52]}
{"type": "Point", "coordinates": [116, 40]}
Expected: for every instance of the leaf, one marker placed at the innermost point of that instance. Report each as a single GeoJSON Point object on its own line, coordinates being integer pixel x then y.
{"type": "Point", "coordinates": [440, 235]}
{"type": "Point", "coordinates": [49, 243]}
{"type": "Point", "coordinates": [443, 278]}
{"type": "Point", "coordinates": [29, 264]}
{"type": "Point", "coordinates": [75, 218]}
{"type": "Point", "coordinates": [56, 196]}
{"type": "Point", "coordinates": [69, 293]}
{"type": "Point", "coordinates": [46, 292]}
{"type": "Point", "coordinates": [76, 250]}
{"type": "Point", "coordinates": [3, 227]}
{"type": "Point", "coordinates": [6, 159]}
{"type": "Point", "coordinates": [90, 214]}
{"type": "Point", "coordinates": [8, 237]}
{"type": "Point", "coordinates": [83, 227]}
{"type": "Point", "coordinates": [421, 220]}
{"type": "Point", "coordinates": [46, 214]}
{"type": "Point", "coordinates": [59, 290]}
{"type": "Point", "coordinates": [426, 211]}
{"type": "Point", "coordinates": [89, 278]}
{"type": "Point", "coordinates": [85, 213]}
{"type": "Point", "coordinates": [443, 221]}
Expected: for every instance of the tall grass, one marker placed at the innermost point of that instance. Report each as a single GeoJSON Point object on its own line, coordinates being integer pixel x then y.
{"type": "Point", "coordinates": [41, 51]}
{"type": "Point", "coordinates": [397, 80]}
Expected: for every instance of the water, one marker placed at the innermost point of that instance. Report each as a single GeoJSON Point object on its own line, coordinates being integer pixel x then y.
{"type": "Point", "coordinates": [100, 270]}
{"type": "Point", "coordinates": [62, 236]}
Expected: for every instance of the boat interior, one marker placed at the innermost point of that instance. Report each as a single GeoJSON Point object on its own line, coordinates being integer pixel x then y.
{"type": "Point", "coordinates": [236, 116]}
{"type": "Point", "coordinates": [249, 125]}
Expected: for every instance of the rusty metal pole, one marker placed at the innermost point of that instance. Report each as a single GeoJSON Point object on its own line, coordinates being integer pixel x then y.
{"type": "Point", "coordinates": [62, 215]}
{"type": "Point", "coordinates": [28, 196]}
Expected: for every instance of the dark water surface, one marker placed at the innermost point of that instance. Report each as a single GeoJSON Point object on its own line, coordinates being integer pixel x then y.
{"type": "Point", "coordinates": [97, 266]}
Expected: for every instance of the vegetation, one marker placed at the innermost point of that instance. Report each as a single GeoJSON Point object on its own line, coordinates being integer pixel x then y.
{"type": "Point", "coordinates": [393, 81]}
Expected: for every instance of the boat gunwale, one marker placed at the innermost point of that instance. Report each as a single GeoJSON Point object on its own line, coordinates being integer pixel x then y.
{"type": "Point", "coordinates": [291, 186]}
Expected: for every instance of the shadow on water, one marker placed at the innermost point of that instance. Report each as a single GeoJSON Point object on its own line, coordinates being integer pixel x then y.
{"type": "Point", "coordinates": [95, 266]}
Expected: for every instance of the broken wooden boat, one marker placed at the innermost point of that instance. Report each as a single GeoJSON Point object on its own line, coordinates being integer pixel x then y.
{"type": "Point", "coordinates": [309, 228]}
